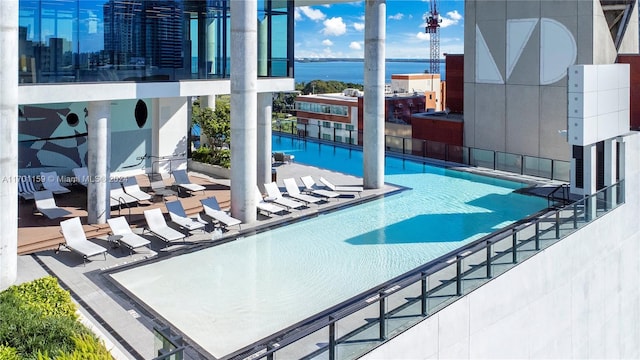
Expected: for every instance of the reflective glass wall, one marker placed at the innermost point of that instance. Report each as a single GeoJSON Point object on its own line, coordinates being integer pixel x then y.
{"type": "Point", "coordinates": [144, 40]}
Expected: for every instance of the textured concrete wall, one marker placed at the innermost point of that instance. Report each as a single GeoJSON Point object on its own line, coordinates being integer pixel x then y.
{"type": "Point", "coordinates": [170, 133]}
{"type": "Point", "coordinates": [516, 55]}
{"type": "Point", "coordinates": [578, 299]}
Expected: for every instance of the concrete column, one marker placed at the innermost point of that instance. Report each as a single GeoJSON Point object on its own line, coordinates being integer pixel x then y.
{"type": "Point", "coordinates": [208, 101]}
{"type": "Point", "coordinates": [9, 142]}
{"type": "Point", "coordinates": [265, 104]}
{"type": "Point", "coordinates": [211, 45]}
{"type": "Point", "coordinates": [169, 137]}
{"type": "Point", "coordinates": [98, 162]}
{"type": "Point", "coordinates": [590, 166]}
{"type": "Point", "coordinates": [610, 166]}
{"type": "Point", "coordinates": [622, 166]}
{"type": "Point", "coordinates": [244, 73]}
{"type": "Point", "coordinates": [374, 60]}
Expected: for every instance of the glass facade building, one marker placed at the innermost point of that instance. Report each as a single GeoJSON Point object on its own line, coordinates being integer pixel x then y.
{"type": "Point", "coordinates": [144, 40]}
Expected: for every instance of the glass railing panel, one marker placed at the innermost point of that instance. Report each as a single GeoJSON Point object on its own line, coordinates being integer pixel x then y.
{"type": "Point", "coordinates": [561, 170]}
{"type": "Point", "coordinates": [436, 150]}
{"type": "Point", "coordinates": [312, 346]}
{"type": "Point", "coordinates": [393, 143]}
{"type": "Point", "coordinates": [473, 270]}
{"type": "Point", "coordinates": [403, 309]}
{"type": "Point", "coordinates": [501, 255]}
{"type": "Point", "coordinates": [482, 158]}
{"type": "Point", "coordinates": [509, 162]}
{"type": "Point", "coordinates": [359, 332]}
{"type": "Point", "coordinates": [535, 166]}
{"type": "Point", "coordinates": [441, 287]}
{"type": "Point", "coordinates": [457, 154]}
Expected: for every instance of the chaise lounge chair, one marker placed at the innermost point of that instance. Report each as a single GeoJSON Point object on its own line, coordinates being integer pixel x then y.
{"type": "Point", "coordinates": [267, 207]}
{"type": "Point", "coordinates": [46, 205]}
{"type": "Point", "coordinates": [158, 226]}
{"type": "Point", "coordinates": [158, 187]}
{"type": "Point", "coordinates": [274, 194]}
{"type": "Point", "coordinates": [76, 240]}
{"type": "Point", "coordinates": [50, 182]}
{"type": "Point", "coordinates": [124, 235]}
{"type": "Point", "coordinates": [280, 157]}
{"type": "Point", "coordinates": [328, 184]}
{"type": "Point", "coordinates": [179, 217]}
{"type": "Point", "coordinates": [310, 186]}
{"type": "Point", "coordinates": [294, 191]}
{"type": "Point", "coordinates": [82, 176]}
{"type": "Point", "coordinates": [213, 210]}
{"type": "Point", "coordinates": [26, 188]}
{"type": "Point", "coordinates": [132, 188]}
{"type": "Point", "coordinates": [182, 181]}
{"type": "Point", "coordinates": [119, 197]}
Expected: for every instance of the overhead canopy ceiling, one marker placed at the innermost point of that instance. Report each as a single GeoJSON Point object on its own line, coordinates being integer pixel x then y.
{"type": "Point", "coordinates": [617, 13]}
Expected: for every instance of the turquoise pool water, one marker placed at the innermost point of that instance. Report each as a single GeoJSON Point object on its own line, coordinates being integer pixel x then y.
{"type": "Point", "coordinates": [229, 296]}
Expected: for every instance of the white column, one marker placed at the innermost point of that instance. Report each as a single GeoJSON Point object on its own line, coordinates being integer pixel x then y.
{"type": "Point", "coordinates": [622, 171]}
{"type": "Point", "coordinates": [610, 165]}
{"type": "Point", "coordinates": [244, 73]}
{"type": "Point", "coordinates": [98, 162]}
{"type": "Point", "coordinates": [374, 60]}
{"type": "Point", "coordinates": [9, 142]}
{"type": "Point", "coordinates": [589, 177]}
{"type": "Point", "coordinates": [265, 104]}
{"type": "Point", "coordinates": [169, 137]}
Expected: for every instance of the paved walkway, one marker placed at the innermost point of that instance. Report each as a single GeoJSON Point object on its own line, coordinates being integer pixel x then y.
{"type": "Point", "coordinates": [126, 326]}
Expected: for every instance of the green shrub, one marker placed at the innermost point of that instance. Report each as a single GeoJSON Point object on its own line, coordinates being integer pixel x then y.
{"type": "Point", "coordinates": [207, 155]}
{"type": "Point", "coordinates": [38, 319]}
{"type": "Point", "coordinates": [8, 353]}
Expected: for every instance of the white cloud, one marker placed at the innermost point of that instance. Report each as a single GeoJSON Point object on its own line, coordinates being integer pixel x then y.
{"type": "Point", "coordinates": [454, 15]}
{"type": "Point", "coordinates": [296, 15]}
{"type": "Point", "coordinates": [397, 16]}
{"type": "Point", "coordinates": [358, 26]}
{"type": "Point", "coordinates": [327, 42]}
{"type": "Point", "coordinates": [334, 27]}
{"type": "Point", "coordinates": [313, 14]}
{"type": "Point", "coordinates": [423, 36]}
{"type": "Point", "coordinates": [355, 45]}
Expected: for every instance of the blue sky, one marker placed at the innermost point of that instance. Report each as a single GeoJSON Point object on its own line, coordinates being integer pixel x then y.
{"type": "Point", "coordinates": [337, 30]}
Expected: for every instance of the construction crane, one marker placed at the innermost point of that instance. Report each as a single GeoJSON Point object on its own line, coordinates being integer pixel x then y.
{"type": "Point", "coordinates": [432, 28]}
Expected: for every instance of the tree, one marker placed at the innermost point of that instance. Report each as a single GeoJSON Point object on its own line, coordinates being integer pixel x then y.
{"type": "Point", "coordinates": [216, 125]}
{"type": "Point", "coordinates": [324, 87]}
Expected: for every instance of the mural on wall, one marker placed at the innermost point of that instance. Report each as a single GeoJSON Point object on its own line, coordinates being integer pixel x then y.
{"type": "Point", "coordinates": [54, 136]}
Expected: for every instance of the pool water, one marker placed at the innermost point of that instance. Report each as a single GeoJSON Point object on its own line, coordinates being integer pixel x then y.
{"type": "Point", "coordinates": [229, 296]}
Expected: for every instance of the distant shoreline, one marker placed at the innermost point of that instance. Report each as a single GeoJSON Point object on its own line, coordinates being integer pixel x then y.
{"type": "Point", "coordinates": [305, 60]}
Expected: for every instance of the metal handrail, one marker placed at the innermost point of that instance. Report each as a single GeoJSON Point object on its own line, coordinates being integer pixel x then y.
{"type": "Point", "coordinates": [271, 344]}
{"type": "Point", "coordinates": [565, 194]}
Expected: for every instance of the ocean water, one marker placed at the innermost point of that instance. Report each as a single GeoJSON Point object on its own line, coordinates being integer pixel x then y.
{"type": "Point", "coordinates": [353, 71]}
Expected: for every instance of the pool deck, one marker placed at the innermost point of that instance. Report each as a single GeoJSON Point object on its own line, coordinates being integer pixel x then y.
{"type": "Point", "coordinates": [127, 327]}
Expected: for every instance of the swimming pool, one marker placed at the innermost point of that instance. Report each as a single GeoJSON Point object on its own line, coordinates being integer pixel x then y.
{"type": "Point", "coordinates": [229, 296]}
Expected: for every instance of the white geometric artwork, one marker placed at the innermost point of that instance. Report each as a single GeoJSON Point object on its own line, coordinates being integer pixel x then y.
{"type": "Point", "coordinates": [518, 33]}
{"type": "Point", "coordinates": [558, 51]}
{"type": "Point", "coordinates": [486, 68]}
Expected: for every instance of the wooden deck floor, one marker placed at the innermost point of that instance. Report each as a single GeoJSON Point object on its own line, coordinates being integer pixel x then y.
{"type": "Point", "coordinates": [36, 232]}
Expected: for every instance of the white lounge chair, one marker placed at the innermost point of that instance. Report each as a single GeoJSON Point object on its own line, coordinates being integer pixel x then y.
{"type": "Point", "coordinates": [26, 187]}
{"type": "Point", "coordinates": [267, 207]}
{"type": "Point", "coordinates": [213, 210]}
{"type": "Point", "coordinates": [336, 188]}
{"type": "Point", "coordinates": [311, 186]}
{"type": "Point", "coordinates": [274, 194]}
{"type": "Point", "coordinates": [159, 188]}
{"type": "Point", "coordinates": [294, 191]}
{"type": "Point", "coordinates": [132, 188]}
{"type": "Point", "coordinates": [119, 197]}
{"type": "Point", "coordinates": [180, 218]}
{"type": "Point", "coordinates": [82, 176]}
{"type": "Point", "coordinates": [158, 226]}
{"type": "Point", "coordinates": [76, 240]}
{"type": "Point", "coordinates": [46, 205]}
{"type": "Point", "coordinates": [182, 181]}
{"type": "Point", "coordinates": [124, 235]}
{"type": "Point", "coordinates": [50, 181]}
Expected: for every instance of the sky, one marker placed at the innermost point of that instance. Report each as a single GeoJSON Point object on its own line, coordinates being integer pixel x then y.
{"type": "Point", "coordinates": [337, 30]}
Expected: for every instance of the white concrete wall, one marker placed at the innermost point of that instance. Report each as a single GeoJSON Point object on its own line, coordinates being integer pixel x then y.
{"type": "Point", "coordinates": [169, 132]}
{"type": "Point", "coordinates": [579, 298]}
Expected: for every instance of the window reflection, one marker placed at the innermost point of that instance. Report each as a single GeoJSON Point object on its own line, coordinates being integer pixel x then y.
{"type": "Point", "coordinates": [143, 40]}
